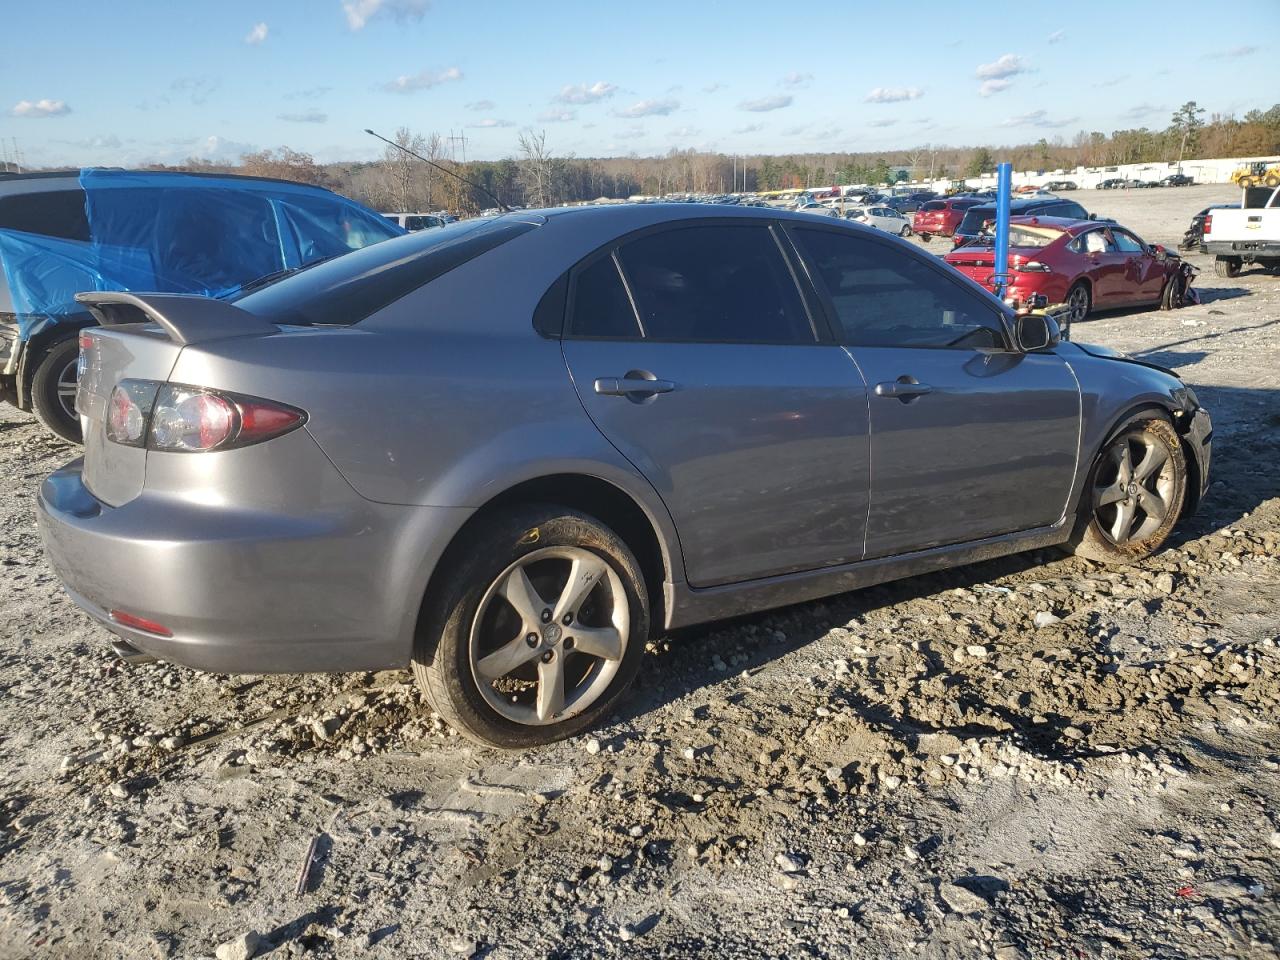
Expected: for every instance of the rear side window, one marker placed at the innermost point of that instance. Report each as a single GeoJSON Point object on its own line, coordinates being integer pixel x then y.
{"type": "Point", "coordinates": [718, 284]}
{"type": "Point", "coordinates": [886, 298]}
{"type": "Point", "coordinates": [351, 287]}
{"type": "Point", "coordinates": [601, 307]}
{"type": "Point", "coordinates": [1070, 210]}
{"type": "Point", "coordinates": [55, 213]}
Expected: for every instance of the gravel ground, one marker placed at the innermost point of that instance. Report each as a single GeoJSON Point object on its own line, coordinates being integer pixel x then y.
{"type": "Point", "coordinates": [1034, 757]}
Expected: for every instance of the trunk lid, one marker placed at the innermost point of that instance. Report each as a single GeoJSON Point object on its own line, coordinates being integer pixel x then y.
{"type": "Point", "coordinates": [140, 339]}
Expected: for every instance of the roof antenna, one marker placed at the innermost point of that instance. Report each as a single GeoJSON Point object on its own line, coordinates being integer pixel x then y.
{"type": "Point", "coordinates": [457, 176]}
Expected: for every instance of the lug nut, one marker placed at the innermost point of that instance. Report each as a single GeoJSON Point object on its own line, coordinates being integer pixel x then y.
{"type": "Point", "coordinates": [548, 656]}
{"type": "Point", "coordinates": [546, 615]}
{"type": "Point", "coordinates": [531, 639]}
{"type": "Point", "coordinates": [568, 619]}
{"type": "Point", "coordinates": [568, 643]}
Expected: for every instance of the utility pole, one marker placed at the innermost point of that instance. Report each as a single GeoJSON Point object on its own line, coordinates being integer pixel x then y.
{"type": "Point", "coordinates": [461, 138]}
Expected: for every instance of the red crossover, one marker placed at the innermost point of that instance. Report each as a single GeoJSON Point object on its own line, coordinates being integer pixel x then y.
{"type": "Point", "coordinates": [939, 218]}
{"type": "Point", "coordinates": [1083, 263]}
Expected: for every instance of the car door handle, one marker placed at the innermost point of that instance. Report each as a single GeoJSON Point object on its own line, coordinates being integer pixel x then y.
{"type": "Point", "coordinates": [904, 388]}
{"type": "Point", "coordinates": [632, 386]}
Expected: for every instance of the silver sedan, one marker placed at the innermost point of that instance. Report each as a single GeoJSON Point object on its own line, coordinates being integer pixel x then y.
{"type": "Point", "coordinates": [505, 453]}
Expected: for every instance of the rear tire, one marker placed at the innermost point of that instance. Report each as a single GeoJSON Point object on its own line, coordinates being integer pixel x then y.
{"type": "Point", "coordinates": [1227, 267]}
{"type": "Point", "coordinates": [1080, 301]}
{"type": "Point", "coordinates": [467, 619]}
{"type": "Point", "coordinates": [905, 232]}
{"type": "Point", "coordinates": [53, 390]}
{"type": "Point", "coordinates": [1272, 181]}
{"type": "Point", "coordinates": [1134, 494]}
{"type": "Point", "coordinates": [926, 237]}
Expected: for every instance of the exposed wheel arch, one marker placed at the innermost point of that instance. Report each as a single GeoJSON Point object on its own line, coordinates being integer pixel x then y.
{"type": "Point", "coordinates": [594, 496]}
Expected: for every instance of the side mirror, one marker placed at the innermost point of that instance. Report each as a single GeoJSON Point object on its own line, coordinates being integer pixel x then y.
{"type": "Point", "coordinates": [1037, 331]}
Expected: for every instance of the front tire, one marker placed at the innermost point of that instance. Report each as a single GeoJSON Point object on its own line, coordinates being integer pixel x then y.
{"type": "Point", "coordinates": [536, 631]}
{"type": "Point", "coordinates": [926, 237]}
{"type": "Point", "coordinates": [53, 390]}
{"type": "Point", "coordinates": [905, 231]}
{"type": "Point", "coordinates": [1135, 492]}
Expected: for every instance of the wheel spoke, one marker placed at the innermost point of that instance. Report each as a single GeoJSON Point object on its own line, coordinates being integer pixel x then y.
{"type": "Point", "coordinates": [1123, 522]}
{"type": "Point", "coordinates": [1125, 464]}
{"type": "Point", "coordinates": [550, 688]}
{"type": "Point", "coordinates": [602, 642]}
{"type": "Point", "coordinates": [1153, 460]}
{"type": "Point", "coordinates": [506, 659]}
{"type": "Point", "coordinates": [519, 592]}
{"type": "Point", "coordinates": [1105, 496]}
{"type": "Point", "coordinates": [585, 572]}
{"type": "Point", "coordinates": [1152, 504]}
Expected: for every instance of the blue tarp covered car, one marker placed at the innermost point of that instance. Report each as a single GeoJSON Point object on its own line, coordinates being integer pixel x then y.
{"type": "Point", "coordinates": [62, 233]}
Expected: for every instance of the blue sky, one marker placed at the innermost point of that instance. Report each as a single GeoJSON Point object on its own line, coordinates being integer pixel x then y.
{"type": "Point", "coordinates": [130, 81]}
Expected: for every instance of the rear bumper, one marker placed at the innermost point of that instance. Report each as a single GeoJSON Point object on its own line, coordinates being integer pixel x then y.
{"type": "Point", "coordinates": [244, 591]}
{"type": "Point", "coordinates": [1247, 249]}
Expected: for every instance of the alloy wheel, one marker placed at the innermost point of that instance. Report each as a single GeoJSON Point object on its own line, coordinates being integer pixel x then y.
{"type": "Point", "coordinates": [1077, 304]}
{"type": "Point", "coordinates": [1133, 488]}
{"type": "Point", "coordinates": [549, 635]}
{"type": "Point", "coordinates": [67, 383]}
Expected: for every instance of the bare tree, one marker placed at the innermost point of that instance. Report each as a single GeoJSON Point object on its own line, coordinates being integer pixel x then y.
{"type": "Point", "coordinates": [535, 167]}
{"type": "Point", "coordinates": [403, 170]}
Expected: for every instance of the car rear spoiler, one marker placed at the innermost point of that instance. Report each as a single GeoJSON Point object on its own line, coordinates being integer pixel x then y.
{"type": "Point", "coordinates": [187, 319]}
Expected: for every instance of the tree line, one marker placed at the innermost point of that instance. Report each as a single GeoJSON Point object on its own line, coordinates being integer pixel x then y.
{"type": "Point", "coordinates": [537, 176]}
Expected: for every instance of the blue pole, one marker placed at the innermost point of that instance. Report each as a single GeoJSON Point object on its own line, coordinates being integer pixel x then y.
{"type": "Point", "coordinates": [1004, 177]}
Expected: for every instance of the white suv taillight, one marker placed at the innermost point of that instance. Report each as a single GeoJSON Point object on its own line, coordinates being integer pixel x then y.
{"type": "Point", "coordinates": [182, 419]}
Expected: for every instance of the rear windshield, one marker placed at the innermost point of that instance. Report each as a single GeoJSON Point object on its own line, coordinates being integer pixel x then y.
{"type": "Point", "coordinates": [1032, 236]}
{"type": "Point", "coordinates": [352, 287]}
{"type": "Point", "coordinates": [935, 205]}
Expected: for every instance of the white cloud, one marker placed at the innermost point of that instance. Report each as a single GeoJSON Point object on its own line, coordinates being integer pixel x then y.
{"type": "Point", "coordinates": [1057, 36]}
{"type": "Point", "coordinates": [360, 12]}
{"type": "Point", "coordinates": [887, 122]}
{"type": "Point", "coordinates": [38, 109]}
{"type": "Point", "coordinates": [490, 122]}
{"type": "Point", "coordinates": [310, 116]}
{"type": "Point", "coordinates": [650, 108]}
{"type": "Point", "coordinates": [481, 106]}
{"type": "Point", "coordinates": [1112, 81]}
{"type": "Point", "coordinates": [796, 81]}
{"type": "Point", "coordinates": [1231, 54]}
{"type": "Point", "coordinates": [893, 94]}
{"type": "Point", "coordinates": [993, 86]}
{"type": "Point", "coordinates": [581, 93]}
{"type": "Point", "coordinates": [685, 133]}
{"type": "Point", "coordinates": [764, 104]}
{"type": "Point", "coordinates": [310, 93]}
{"type": "Point", "coordinates": [1142, 110]}
{"type": "Point", "coordinates": [634, 133]}
{"type": "Point", "coordinates": [197, 89]}
{"type": "Point", "coordinates": [556, 116]}
{"type": "Point", "coordinates": [750, 128]}
{"type": "Point", "coordinates": [255, 36]}
{"type": "Point", "coordinates": [1037, 118]}
{"type": "Point", "coordinates": [423, 80]}
{"type": "Point", "coordinates": [713, 87]}
{"type": "Point", "coordinates": [1008, 65]}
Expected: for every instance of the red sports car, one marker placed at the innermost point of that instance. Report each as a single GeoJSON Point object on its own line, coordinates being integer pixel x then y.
{"type": "Point", "coordinates": [1086, 264]}
{"type": "Point", "coordinates": [939, 218]}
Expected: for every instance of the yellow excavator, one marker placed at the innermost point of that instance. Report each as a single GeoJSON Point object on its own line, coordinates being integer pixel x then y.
{"type": "Point", "coordinates": [1259, 174]}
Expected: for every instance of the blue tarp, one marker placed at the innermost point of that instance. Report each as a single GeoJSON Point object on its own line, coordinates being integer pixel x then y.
{"type": "Point", "coordinates": [177, 233]}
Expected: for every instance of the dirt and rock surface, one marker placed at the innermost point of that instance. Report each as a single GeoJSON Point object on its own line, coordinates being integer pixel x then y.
{"type": "Point", "coordinates": [1032, 757]}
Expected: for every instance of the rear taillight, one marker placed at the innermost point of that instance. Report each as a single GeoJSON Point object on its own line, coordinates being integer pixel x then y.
{"type": "Point", "coordinates": [181, 419]}
{"type": "Point", "coordinates": [82, 362]}
{"type": "Point", "coordinates": [1208, 224]}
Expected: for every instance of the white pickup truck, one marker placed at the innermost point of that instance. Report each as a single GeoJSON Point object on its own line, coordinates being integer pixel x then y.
{"type": "Point", "coordinates": [1249, 233]}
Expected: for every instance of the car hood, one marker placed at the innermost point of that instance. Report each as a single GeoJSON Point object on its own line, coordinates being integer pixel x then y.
{"type": "Point", "coordinates": [1110, 353]}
